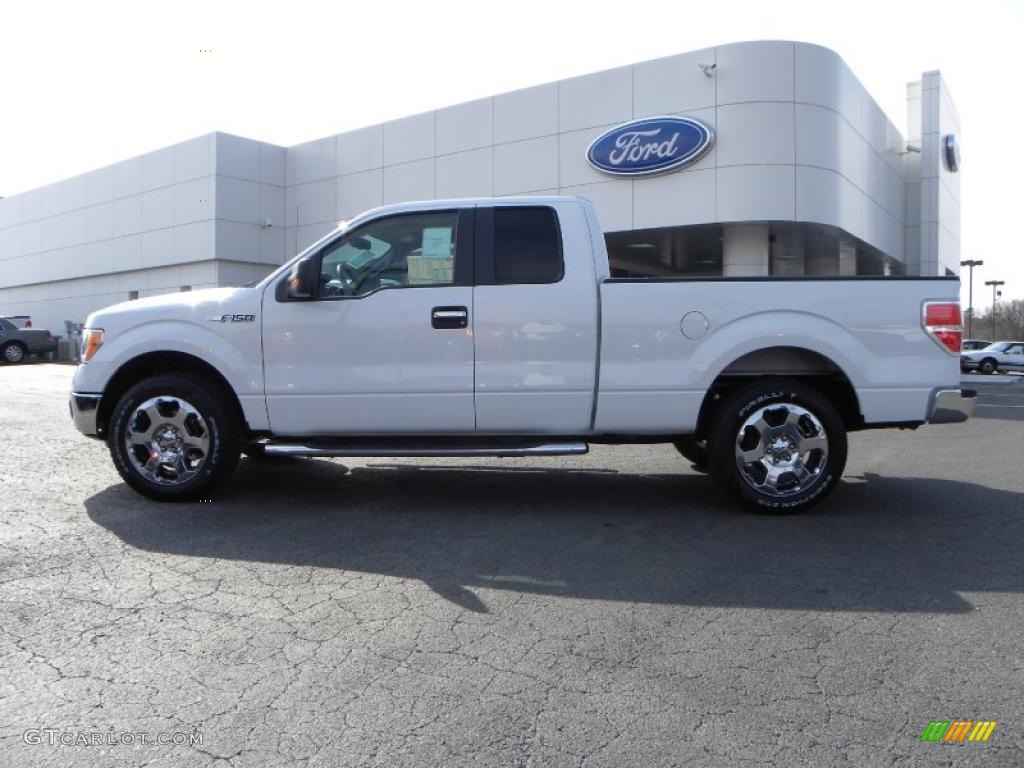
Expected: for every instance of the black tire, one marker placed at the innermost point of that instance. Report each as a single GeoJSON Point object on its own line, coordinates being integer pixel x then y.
{"type": "Point", "coordinates": [222, 431]}
{"type": "Point", "coordinates": [693, 450]}
{"type": "Point", "coordinates": [13, 352]}
{"type": "Point", "coordinates": [988, 366]}
{"type": "Point", "coordinates": [725, 441]}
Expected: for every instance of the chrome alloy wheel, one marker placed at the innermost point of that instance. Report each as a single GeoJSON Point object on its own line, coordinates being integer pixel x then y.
{"type": "Point", "coordinates": [167, 440]}
{"type": "Point", "coordinates": [781, 449]}
{"type": "Point", "coordinates": [13, 353]}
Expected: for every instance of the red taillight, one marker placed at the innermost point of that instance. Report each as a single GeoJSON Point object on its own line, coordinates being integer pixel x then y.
{"type": "Point", "coordinates": [943, 323]}
{"type": "Point", "coordinates": [942, 314]}
{"type": "Point", "coordinates": [28, 323]}
{"type": "Point", "coordinates": [47, 335]}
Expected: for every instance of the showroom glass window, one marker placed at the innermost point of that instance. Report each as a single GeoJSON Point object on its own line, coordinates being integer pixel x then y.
{"type": "Point", "coordinates": [527, 246]}
{"type": "Point", "coordinates": [406, 251]}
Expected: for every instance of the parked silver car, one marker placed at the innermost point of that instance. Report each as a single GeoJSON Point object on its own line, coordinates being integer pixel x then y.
{"type": "Point", "coordinates": [1001, 356]}
{"type": "Point", "coordinates": [18, 343]}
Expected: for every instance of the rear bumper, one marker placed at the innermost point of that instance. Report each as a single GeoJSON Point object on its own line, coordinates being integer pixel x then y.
{"type": "Point", "coordinates": [42, 347]}
{"type": "Point", "coordinates": [951, 406]}
{"type": "Point", "coordinates": [84, 408]}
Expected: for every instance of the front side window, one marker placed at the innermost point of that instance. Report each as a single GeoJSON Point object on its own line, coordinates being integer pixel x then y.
{"type": "Point", "coordinates": [402, 251]}
{"type": "Point", "coordinates": [527, 246]}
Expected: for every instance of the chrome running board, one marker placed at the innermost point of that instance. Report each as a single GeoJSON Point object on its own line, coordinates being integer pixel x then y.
{"type": "Point", "coordinates": [425, 448]}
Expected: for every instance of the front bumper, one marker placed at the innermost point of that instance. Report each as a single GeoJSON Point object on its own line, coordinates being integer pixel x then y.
{"type": "Point", "coordinates": [84, 408]}
{"type": "Point", "coordinates": [951, 406]}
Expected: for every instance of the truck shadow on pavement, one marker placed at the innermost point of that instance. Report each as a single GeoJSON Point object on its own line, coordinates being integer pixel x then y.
{"type": "Point", "coordinates": [878, 544]}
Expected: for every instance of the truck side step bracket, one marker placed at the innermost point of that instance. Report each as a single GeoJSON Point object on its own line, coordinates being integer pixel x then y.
{"type": "Point", "coordinates": [426, 448]}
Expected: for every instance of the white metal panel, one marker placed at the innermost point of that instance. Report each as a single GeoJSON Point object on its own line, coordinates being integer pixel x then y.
{"type": "Point", "coordinates": [360, 150]}
{"type": "Point", "coordinates": [755, 71]}
{"type": "Point", "coordinates": [756, 192]}
{"type": "Point", "coordinates": [466, 174]}
{"type": "Point", "coordinates": [526, 114]}
{"type": "Point", "coordinates": [464, 126]}
{"type": "Point", "coordinates": [673, 84]}
{"type": "Point", "coordinates": [536, 345]}
{"type": "Point", "coordinates": [410, 138]}
{"type": "Point", "coordinates": [237, 157]}
{"type": "Point", "coordinates": [409, 181]}
{"type": "Point", "coordinates": [758, 132]}
{"type": "Point", "coordinates": [595, 99]}
{"type": "Point", "coordinates": [312, 161]}
{"type": "Point", "coordinates": [358, 192]}
{"type": "Point", "coordinates": [526, 165]}
{"type": "Point", "coordinates": [368, 365]}
{"type": "Point", "coordinates": [653, 378]}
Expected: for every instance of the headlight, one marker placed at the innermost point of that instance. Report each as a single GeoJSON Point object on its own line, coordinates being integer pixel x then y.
{"type": "Point", "coordinates": [92, 339]}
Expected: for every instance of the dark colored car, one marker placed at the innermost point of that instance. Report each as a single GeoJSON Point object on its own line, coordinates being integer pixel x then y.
{"type": "Point", "coordinates": [17, 343]}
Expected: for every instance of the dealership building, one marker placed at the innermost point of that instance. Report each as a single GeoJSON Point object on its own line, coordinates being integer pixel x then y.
{"type": "Point", "coordinates": [801, 174]}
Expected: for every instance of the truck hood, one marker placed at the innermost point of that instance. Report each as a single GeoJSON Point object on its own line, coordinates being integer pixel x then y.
{"type": "Point", "coordinates": [205, 306]}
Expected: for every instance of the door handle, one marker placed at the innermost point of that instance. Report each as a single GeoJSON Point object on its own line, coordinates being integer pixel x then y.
{"type": "Point", "coordinates": [449, 317]}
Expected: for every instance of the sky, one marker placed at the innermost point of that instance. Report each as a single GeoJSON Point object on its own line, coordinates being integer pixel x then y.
{"type": "Point", "coordinates": [86, 84]}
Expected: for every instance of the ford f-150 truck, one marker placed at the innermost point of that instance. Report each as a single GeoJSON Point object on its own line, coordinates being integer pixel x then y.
{"type": "Point", "coordinates": [494, 327]}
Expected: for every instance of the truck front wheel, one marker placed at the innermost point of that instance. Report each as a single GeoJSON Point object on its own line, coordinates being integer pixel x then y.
{"type": "Point", "coordinates": [174, 437]}
{"type": "Point", "coordinates": [778, 446]}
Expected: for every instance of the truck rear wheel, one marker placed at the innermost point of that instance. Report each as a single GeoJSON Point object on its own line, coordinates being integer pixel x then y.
{"type": "Point", "coordinates": [174, 437]}
{"type": "Point", "coordinates": [778, 446]}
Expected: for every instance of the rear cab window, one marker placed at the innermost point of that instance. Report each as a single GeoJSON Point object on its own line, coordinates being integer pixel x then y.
{"type": "Point", "coordinates": [526, 247]}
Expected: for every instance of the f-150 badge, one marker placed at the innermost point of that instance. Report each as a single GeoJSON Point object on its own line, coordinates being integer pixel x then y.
{"type": "Point", "coordinates": [231, 318]}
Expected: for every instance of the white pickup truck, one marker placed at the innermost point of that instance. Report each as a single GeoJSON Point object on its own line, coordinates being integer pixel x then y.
{"type": "Point", "coordinates": [493, 327]}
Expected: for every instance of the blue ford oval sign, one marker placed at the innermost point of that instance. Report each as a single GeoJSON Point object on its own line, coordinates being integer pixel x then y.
{"type": "Point", "coordinates": [650, 145]}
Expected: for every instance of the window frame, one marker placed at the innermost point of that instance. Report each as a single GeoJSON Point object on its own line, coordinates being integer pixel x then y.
{"type": "Point", "coordinates": [462, 272]}
{"type": "Point", "coordinates": [486, 244]}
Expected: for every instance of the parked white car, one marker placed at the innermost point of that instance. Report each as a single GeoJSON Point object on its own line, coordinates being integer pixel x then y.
{"type": "Point", "coordinates": [493, 327]}
{"type": "Point", "coordinates": [1001, 356]}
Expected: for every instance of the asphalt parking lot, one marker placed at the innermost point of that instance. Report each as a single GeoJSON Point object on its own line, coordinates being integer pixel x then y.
{"type": "Point", "coordinates": [1000, 396]}
{"type": "Point", "coordinates": [607, 610]}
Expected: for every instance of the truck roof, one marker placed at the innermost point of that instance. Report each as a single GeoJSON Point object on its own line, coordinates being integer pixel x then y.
{"type": "Point", "coordinates": [468, 202]}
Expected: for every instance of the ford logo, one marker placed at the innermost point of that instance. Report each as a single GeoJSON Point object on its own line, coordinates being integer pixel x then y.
{"type": "Point", "coordinates": [650, 145]}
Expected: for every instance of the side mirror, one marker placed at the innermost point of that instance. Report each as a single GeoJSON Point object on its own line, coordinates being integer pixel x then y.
{"type": "Point", "coordinates": [302, 282]}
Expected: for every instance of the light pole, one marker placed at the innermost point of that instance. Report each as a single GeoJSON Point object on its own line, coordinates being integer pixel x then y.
{"type": "Point", "coordinates": [995, 295]}
{"type": "Point", "coordinates": [971, 264]}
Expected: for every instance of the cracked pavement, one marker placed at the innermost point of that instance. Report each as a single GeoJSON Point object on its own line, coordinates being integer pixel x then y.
{"type": "Point", "coordinates": [608, 610]}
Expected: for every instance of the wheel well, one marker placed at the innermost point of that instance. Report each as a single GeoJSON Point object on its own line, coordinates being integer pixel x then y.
{"type": "Point", "coordinates": [784, 362]}
{"type": "Point", "coordinates": [153, 363]}
{"type": "Point", "coordinates": [16, 343]}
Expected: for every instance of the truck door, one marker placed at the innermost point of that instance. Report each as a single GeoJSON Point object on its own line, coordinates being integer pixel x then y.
{"type": "Point", "coordinates": [385, 345]}
{"type": "Point", "coordinates": [535, 320]}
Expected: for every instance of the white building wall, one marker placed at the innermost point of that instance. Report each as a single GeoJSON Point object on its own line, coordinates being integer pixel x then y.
{"type": "Point", "coordinates": [940, 187]}
{"type": "Point", "coordinates": [139, 225]}
{"type": "Point", "coordinates": [798, 139]}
